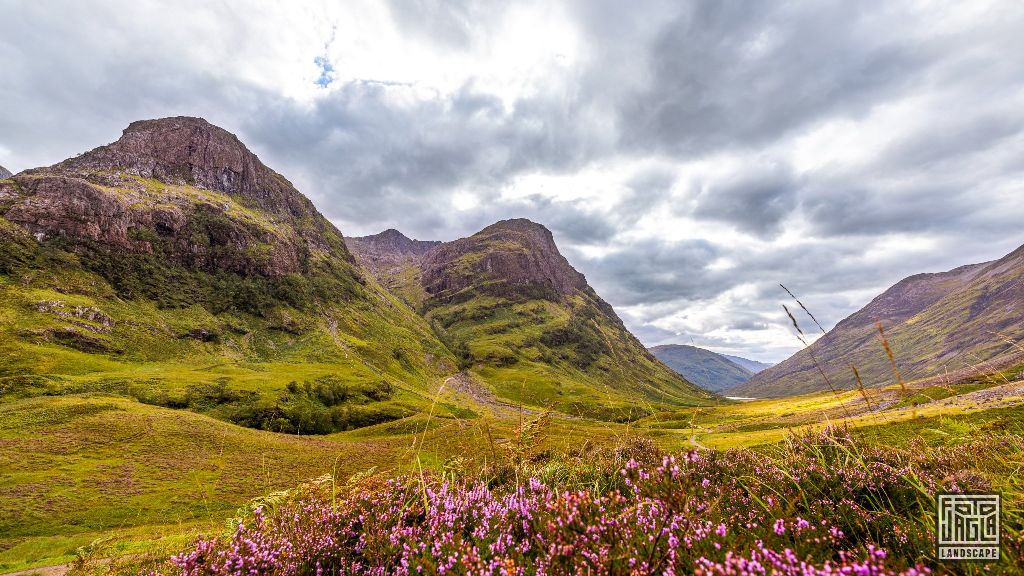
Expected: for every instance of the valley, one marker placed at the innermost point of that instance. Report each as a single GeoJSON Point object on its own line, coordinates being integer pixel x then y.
{"type": "Point", "coordinates": [130, 479]}
{"type": "Point", "coordinates": [188, 344]}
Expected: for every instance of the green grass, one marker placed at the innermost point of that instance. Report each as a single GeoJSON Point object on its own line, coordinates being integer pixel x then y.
{"type": "Point", "coordinates": [82, 467]}
{"type": "Point", "coordinates": [564, 355]}
{"type": "Point", "coordinates": [86, 466]}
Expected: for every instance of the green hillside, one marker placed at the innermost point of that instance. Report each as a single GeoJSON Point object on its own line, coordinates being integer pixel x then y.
{"type": "Point", "coordinates": [968, 318]}
{"type": "Point", "coordinates": [522, 320]}
{"type": "Point", "coordinates": [134, 270]}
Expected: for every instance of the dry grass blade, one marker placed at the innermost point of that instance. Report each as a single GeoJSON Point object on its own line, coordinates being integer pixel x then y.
{"type": "Point", "coordinates": [801, 304]}
{"type": "Point", "coordinates": [800, 333]}
{"type": "Point", "coordinates": [892, 357]}
{"type": "Point", "coordinates": [860, 386]}
{"type": "Point", "coordinates": [803, 340]}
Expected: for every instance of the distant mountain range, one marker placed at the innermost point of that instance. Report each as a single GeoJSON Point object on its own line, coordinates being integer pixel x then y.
{"type": "Point", "coordinates": [709, 370]}
{"type": "Point", "coordinates": [752, 365]}
{"type": "Point", "coordinates": [971, 316]}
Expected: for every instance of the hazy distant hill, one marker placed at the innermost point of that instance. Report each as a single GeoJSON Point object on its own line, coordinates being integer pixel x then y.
{"type": "Point", "coordinates": [4, 173]}
{"type": "Point", "coordinates": [707, 369]}
{"type": "Point", "coordinates": [752, 365]}
{"type": "Point", "coordinates": [934, 322]}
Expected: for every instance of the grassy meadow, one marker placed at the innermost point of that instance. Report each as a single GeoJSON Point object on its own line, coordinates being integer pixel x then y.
{"type": "Point", "coordinates": [97, 474]}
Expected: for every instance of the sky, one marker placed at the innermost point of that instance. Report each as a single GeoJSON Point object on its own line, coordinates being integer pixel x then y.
{"type": "Point", "coordinates": [688, 156]}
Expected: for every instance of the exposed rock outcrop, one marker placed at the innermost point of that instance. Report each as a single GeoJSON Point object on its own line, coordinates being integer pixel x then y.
{"type": "Point", "coordinates": [180, 188]}
{"type": "Point", "coordinates": [508, 256]}
{"type": "Point", "coordinates": [389, 250]}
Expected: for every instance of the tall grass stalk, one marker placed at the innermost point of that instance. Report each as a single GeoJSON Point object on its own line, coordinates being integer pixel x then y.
{"type": "Point", "coordinates": [803, 340]}
{"type": "Point", "coordinates": [860, 386]}
{"type": "Point", "coordinates": [892, 358]}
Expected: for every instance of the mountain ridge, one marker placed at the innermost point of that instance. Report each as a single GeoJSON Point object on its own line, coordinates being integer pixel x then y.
{"type": "Point", "coordinates": [935, 322]}
{"type": "Point", "coordinates": [131, 266]}
{"type": "Point", "coordinates": [754, 366]}
{"type": "Point", "coordinates": [515, 310]}
{"type": "Point", "coordinates": [173, 248]}
{"type": "Point", "coordinates": [179, 179]}
{"type": "Point", "coordinates": [709, 370]}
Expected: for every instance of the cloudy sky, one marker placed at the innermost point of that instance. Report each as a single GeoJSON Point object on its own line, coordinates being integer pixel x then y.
{"type": "Point", "coordinates": [688, 156]}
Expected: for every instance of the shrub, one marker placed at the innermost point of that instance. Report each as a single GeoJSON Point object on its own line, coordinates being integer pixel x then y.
{"type": "Point", "coordinates": [823, 504]}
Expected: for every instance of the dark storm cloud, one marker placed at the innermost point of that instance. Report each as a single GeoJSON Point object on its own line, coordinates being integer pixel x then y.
{"type": "Point", "coordinates": [372, 155]}
{"type": "Point", "coordinates": [740, 74]}
{"type": "Point", "coordinates": [851, 209]}
{"type": "Point", "coordinates": [757, 199]}
{"type": "Point", "coordinates": [653, 271]}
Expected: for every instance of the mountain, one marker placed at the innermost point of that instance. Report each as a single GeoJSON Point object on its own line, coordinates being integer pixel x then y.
{"type": "Point", "coordinates": [707, 369]}
{"type": "Point", "coordinates": [523, 320]}
{"type": "Point", "coordinates": [934, 323]}
{"type": "Point", "coordinates": [391, 257]}
{"type": "Point", "coordinates": [5, 173]}
{"type": "Point", "coordinates": [174, 266]}
{"type": "Point", "coordinates": [389, 248]}
{"type": "Point", "coordinates": [752, 365]}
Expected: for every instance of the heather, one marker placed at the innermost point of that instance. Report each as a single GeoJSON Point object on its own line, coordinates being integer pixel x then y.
{"type": "Point", "coordinates": [820, 503]}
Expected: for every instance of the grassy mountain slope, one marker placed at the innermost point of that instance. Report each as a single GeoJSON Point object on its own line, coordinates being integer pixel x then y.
{"type": "Point", "coordinates": [704, 368]}
{"type": "Point", "coordinates": [174, 267]}
{"type": "Point", "coordinates": [935, 323]}
{"type": "Point", "coordinates": [520, 318]}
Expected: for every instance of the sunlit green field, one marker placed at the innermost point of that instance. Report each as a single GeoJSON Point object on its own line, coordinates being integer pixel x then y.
{"type": "Point", "coordinates": [100, 473]}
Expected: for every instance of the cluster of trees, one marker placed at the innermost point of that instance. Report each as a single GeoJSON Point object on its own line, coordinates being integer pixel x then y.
{"type": "Point", "coordinates": [323, 406]}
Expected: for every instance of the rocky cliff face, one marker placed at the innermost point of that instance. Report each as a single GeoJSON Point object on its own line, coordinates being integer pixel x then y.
{"type": "Point", "coordinates": [936, 324]}
{"type": "Point", "coordinates": [193, 152]}
{"type": "Point", "coordinates": [389, 251]}
{"type": "Point", "coordinates": [180, 189]}
{"type": "Point", "coordinates": [511, 256]}
{"type": "Point", "coordinates": [4, 173]}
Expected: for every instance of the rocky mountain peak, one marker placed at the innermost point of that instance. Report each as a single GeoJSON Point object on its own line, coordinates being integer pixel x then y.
{"type": "Point", "coordinates": [510, 256]}
{"type": "Point", "coordinates": [392, 242]}
{"type": "Point", "coordinates": [182, 188]}
{"type": "Point", "coordinates": [520, 230]}
{"type": "Point", "coordinates": [5, 173]}
{"type": "Point", "coordinates": [191, 151]}
{"type": "Point", "coordinates": [389, 251]}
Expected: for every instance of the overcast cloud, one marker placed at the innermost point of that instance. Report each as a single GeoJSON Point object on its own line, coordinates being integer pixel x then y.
{"type": "Point", "coordinates": [688, 156]}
